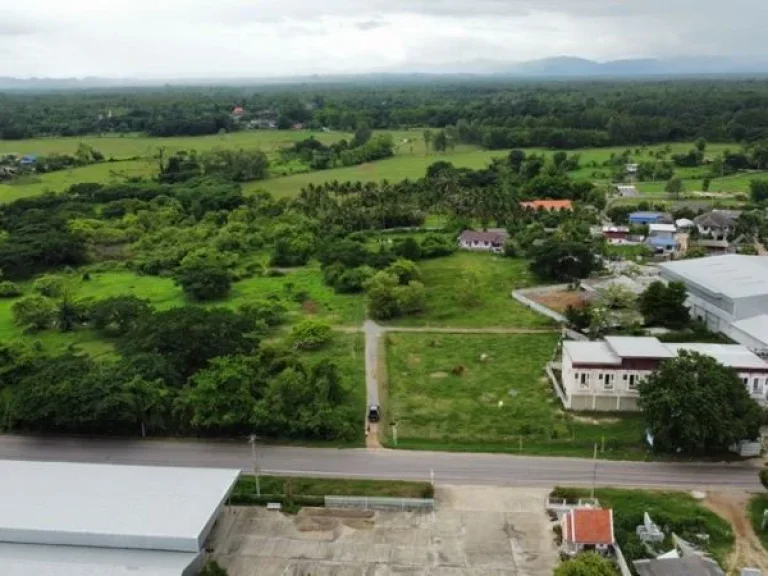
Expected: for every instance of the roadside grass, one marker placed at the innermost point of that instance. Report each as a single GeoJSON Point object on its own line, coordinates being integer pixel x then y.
{"type": "Point", "coordinates": [105, 172]}
{"type": "Point", "coordinates": [310, 491]}
{"type": "Point", "coordinates": [495, 307]}
{"type": "Point", "coordinates": [444, 396]}
{"type": "Point", "coordinates": [757, 506]}
{"type": "Point", "coordinates": [677, 512]}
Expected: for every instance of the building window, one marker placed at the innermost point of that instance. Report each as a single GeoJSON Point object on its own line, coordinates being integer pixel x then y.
{"type": "Point", "coordinates": [583, 382]}
{"type": "Point", "coordinates": [600, 377]}
{"type": "Point", "coordinates": [624, 377]}
{"type": "Point", "coordinates": [746, 381]}
{"type": "Point", "coordinates": [756, 386]}
{"type": "Point", "coordinates": [576, 376]}
{"type": "Point", "coordinates": [608, 383]}
{"type": "Point", "coordinates": [632, 382]}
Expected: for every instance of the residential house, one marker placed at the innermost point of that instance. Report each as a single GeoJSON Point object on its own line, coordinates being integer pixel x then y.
{"type": "Point", "coordinates": [615, 234]}
{"type": "Point", "coordinates": [662, 238]}
{"type": "Point", "coordinates": [603, 376]}
{"type": "Point", "coordinates": [588, 530]}
{"type": "Point", "coordinates": [728, 293]}
{"type": "Point", "coordinates": [627, 191]}
{"type": "Point", "coordinates": [548, 205]}
{"type": "Point", "coordinates": [631, 169]}
{"type": "Point", "coordinates": [717, 224]}
{"type": "Point", "coordinates": [489, 241]}
{"type": "Point", "coordinates": [641, 218]}
{"type": "Point", "coordinates": [28, 160]}
{"type": "Point", "coordinates": [238, 112]}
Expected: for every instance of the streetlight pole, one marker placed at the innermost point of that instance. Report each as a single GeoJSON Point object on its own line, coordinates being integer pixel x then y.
{"type": "Point", "coordinates": [252, 441]}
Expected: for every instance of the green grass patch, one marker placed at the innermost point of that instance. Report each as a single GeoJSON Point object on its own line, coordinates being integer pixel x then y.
{"type": "Point", "coordinates": [106, 172]}
{"type": "Point", "coordinates": [676, 512]}
{"type": "Point", "coordinates": [445, 396]}
{"type": "Point", "coordinates": [497, 278]}
{"type": "Point", "coordinates": [757, 506]}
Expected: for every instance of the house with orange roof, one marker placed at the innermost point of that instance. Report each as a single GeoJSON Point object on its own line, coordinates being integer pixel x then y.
{"type": "Point", "coordinates": [548, 205]}
{"type": "Point", "coordinates": [588, 530]}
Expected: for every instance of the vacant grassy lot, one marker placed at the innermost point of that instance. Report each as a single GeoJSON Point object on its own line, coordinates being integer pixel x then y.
{"type": "Point", "coordinates": [737, 184]}
{"type": "Point", "coordinates": [757, 506]}
{"type": "Point", "coordinates": [493, 304]}
{"type": "Point", "coordinates": [58, 181]}
{"type": "Point", "coordinates": [489, 393]}
{"type": "Point", "coordinates": [675, 512]}
{"type": "Point", "coordinates": [302, 291]}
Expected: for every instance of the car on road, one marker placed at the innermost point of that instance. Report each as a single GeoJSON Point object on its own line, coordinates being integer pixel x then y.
{"type": "Point", "coordinates": [374, 414]}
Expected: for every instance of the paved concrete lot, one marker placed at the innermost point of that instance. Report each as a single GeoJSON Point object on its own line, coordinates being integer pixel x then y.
{"type": "Point", "coordinates": [474, 531]}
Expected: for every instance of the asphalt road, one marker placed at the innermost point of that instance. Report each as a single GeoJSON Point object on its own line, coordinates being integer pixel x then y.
{"type": "Point", "coordinates": [448, 468]}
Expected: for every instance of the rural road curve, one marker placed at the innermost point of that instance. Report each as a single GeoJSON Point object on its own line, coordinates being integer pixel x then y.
{"type": "Point", "coordinates": [448, 468]}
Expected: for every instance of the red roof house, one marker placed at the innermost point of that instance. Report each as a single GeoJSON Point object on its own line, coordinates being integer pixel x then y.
{"type": "Point", "coordinates": [548, 204]}
{"type": "Point", "coordinates": [238, 111]}
{"type": "Point", "coordinates": [588, 528]}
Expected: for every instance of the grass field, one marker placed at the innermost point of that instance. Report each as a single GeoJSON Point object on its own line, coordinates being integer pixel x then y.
{"type": "Point", "coordinates": [496, 276]}
{"type": "Point", "coordinates": [757, 505]}
{"type": "Point", "coordinates": [317, 300]}
{"type": "Point", "coordinates": [436, 408]}
{"type": "Point", "coordinates": [58, 181]}
{"type": "Point", "coordinates": [738, 184]}
{"type": "Point", "coordinates": [677, 512]}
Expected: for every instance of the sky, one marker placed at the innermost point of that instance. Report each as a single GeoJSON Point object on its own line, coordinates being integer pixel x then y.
{"type": "Point", "coordinates": [265, 38]}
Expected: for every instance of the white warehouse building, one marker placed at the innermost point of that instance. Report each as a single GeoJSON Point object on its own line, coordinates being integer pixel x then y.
{"type": "Point", "coordinates": [63, 519]}
{"type": "Point", "coordinates": [729, 293]}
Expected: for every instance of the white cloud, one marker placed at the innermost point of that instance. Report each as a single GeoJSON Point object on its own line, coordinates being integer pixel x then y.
{"type": "Point", "coordinates": [251, 38]}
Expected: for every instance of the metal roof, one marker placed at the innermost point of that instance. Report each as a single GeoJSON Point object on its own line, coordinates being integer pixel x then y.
{"type": "Point", "coordinates": [638, 347]}
{"type": "Point", "coordinates": [660, 227]}
{"type": "Point", "coordinates": [591, 353]}
{"type": "Point", "coordinates": [730, 275]}
{"type": "Point", "coordinates": [110, 506]}
{"type": "Point", "coordinates": [755, 327]}
{"type": "Point", "coordinates": [731, 355]}
{"type": "Point", "coordinates": [29, 559]}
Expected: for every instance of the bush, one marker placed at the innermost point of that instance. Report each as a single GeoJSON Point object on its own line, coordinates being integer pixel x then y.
{"type": "Point", "coordinates": [49, 286]}
{"type": "Point", "coordinates": [204, 281]}
{"type": "Point", "coordinates": [9, 290]}
{"type": "Point", "coordinates": [311, 335]}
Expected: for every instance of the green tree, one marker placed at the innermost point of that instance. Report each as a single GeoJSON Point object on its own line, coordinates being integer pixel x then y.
{"type": "Point", "coordinates": [758, 190]}
{"type": "Point", "coordinates": [9, 290]}
{"type": "Point", "coordinates": [694, 404]}
{"type": "Point", "coordinates": [380, 296]}
{"type": "Point", "coordinates": [701, 145]}
{"type": "Point", "coordinates": [664, 305]}
{"type": "Point", "coordinates": [589, 564]}
{"type": "Point", "coordinates": [411, 299]}
{"type": "Point", "coordinates": [405, 271]}
{"type": "Point", "coordinates": [427, 135]}
{"type": "Point", "coordinates": [563, 261]}
{"type": "Point", "coordinates": [34, 312]}
{"type": "Point", "coordinates": [674, 187]}
{"type": "Point", "coordinates": [118, 315]}
{"type": "Point", "coordinates": [204, 281]}
{"type": "Point", "coordinates": [50, 286]}
{"type": "Point", "coordinates": [468, 288]}
{"type": "Point", "coordinates": [147, 400]}
{"type": "Point", "coordinates": [440, 141]}
{"type": "Point", "coordinates": [362, 135]}
{"type": "Point", "coordinates": [311, 335]}
{"type": "Point", "coordinates": [212, 568]}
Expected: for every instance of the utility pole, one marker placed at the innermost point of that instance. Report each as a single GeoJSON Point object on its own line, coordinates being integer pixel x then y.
{"type": "Point", "coordinates": [594, 472]}
{"type": "Point", "coordinates": [252, 442]}
{"type": "Point", "coordinates": [394, 433]}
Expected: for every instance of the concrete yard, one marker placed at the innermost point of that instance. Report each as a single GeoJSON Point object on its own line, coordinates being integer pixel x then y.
{"type": "Point", "coordinates": [474, 531]}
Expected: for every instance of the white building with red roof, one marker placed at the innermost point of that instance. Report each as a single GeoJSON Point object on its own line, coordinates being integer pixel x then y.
{"type": "Point", "coordinates": [588, 529]}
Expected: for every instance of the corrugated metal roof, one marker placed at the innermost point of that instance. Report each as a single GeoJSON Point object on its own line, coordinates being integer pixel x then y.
{"type": "Point", "coordinates": [32, 560]}
{"type": "Point", "coordinates": [591, 353]}
{"type": "Point", "coordinates": [656, 227]}
{"type": "Point", "coordinates": [730, 275]}
{"type": "Point", "coordinates": [638, 347]}
{"type": "Point", "coordinates": [731, 355]}
{"type": "Point", "coordinates": [109, 506]}
{"type": "Point", "coordinates": [755, 327]}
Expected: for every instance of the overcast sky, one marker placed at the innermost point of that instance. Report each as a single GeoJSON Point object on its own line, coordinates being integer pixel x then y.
{"type": "Point", "coordinates": [254, 38]}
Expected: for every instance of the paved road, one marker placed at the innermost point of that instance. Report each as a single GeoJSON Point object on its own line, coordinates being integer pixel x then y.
{"type": "Point", "coordinates": [448, 468]}
{"type": "Point", "coordinates": [373, 334]}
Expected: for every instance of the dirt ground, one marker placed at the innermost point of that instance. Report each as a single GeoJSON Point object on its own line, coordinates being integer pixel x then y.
{"type": "Point", "coordinates": [748, 552]}
{"type": "Point", "coordinates": [560, 301]}
{"type": "Point", "coordinates": [474, 531]}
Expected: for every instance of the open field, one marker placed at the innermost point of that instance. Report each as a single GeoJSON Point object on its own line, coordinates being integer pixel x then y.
{"type": "Point", "coordinates": [677, 512]}
{"type": "Point", "coordinates": [304, 284]}
{"type": "Point", "coordinates": [496, 278]}
{"type": "Point", "coordinates": [58, 181]}
{"type": "Point", "coordinates": [443, 395]}
{"type": "Point", "coordinates": [736, 184]}
{"type": "Point", "coordinates": [757, 505]}
{"type": "Point", "coordinates": [473, 531]}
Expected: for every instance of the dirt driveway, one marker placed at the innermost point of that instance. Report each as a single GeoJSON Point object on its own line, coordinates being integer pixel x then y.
{"type": "Point", "coordinates": [748, 552]}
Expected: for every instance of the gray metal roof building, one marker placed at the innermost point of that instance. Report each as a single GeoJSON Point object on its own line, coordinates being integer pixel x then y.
{"type": "Point", "coordinates": [80, 519]}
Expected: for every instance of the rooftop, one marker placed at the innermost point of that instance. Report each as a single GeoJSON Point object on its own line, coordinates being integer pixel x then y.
{"type": "Point", "coordinates": [659, 227]}
{"type": "Point", "coordinates": [109, 506]}
{"type": "Point", "coordinates": [591, 353]}
{"type": "Point", "coordinates": [638, 347]}
{"type": "Point", "coordinates": [488, 236]}
{"type": "Point", "coordinates": [729, 275]}
{"type": "Point", "coordinates": [755, 327]}
{"type": "Point", "coordinates": [660, 241]}
{"type": "Point", "coordinates": [686, 566]}
{"type": "Point", "coordinates": [549, 204]}
{"type": "Point", "coordinates": [731, 355]}
{"type": "Point", "coordinates": [588, 526]}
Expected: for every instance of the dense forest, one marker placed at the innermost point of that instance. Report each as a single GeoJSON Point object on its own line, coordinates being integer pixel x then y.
{"type": "Point", "coordinates": [499, 114]}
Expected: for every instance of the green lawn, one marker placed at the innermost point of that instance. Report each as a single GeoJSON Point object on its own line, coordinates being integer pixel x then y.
{"type": "Point", "coordinates": [757, 505]}
{"type": "Point", "coordinates": [436, 408]}
{"type": "Point", "coordinates": [59, 181]}
{"type": "Point", "coordinates": [497, 277]}
{"type": "Point", "coordinates": [737, 184]}
{"type": "Point", "coordinates": [675, 512]}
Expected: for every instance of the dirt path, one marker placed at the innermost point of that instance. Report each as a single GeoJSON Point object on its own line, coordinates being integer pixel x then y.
{"type": "Point", "coordinates": [748, 552]}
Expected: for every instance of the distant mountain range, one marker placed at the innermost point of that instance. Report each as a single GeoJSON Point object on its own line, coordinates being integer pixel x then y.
{"type": "Point", "coordinates": [557, 67]}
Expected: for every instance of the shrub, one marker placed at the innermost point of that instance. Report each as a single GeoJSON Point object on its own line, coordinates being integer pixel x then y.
{"type": "Point", "coordinates": [9, 290]}
{"type": "Point", "coordinates": [49, 286]}
{"type": "Point", "coordinates": [311, 335]}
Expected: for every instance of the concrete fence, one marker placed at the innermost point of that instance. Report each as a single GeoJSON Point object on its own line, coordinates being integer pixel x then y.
{"type": "Point", "coordinates": [379, 503]}
{"type": "Point", "coordinates": [622, 562]}
{"type": "Point", "coordinates": [525, 301]}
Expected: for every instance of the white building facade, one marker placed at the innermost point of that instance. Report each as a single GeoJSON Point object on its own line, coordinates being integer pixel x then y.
{"type": "Point", "coordinates": [604, 376]}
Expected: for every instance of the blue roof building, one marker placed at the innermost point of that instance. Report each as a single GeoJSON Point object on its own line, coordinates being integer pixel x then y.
{"type": "Point", "coordinates": [662, 244]}
{"type": "Point", "coordinates": [28, 159]}
{"type": "Point", "coordinates": [648, 218]}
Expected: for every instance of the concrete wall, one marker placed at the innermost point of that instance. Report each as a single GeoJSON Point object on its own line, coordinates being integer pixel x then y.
{"type": "Point", "coordinates": [757, 346]}
{"type": "Point", "coordinates": [749, 307]}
